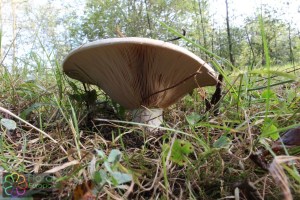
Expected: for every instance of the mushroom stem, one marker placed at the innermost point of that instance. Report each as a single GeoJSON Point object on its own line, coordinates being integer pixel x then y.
{"type": "Point", "coordinates": [148, 116]}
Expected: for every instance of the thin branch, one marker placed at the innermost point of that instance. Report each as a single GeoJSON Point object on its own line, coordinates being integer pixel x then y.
{"type": "Point", "coordinates": [177, 38]}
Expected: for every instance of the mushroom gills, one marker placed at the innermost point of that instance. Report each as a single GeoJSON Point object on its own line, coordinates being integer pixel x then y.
{"type": "Point", "coordinates": [151, 117]}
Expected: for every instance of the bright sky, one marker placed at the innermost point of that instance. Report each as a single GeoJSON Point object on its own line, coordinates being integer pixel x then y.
{"type": "Point", "coordinates": [238, 8]}
{"type": "Point", "coordinates": [243, 8]}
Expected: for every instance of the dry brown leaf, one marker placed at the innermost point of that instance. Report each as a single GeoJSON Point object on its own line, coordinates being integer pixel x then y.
{"type": "Point", "coordinates": [84, 191]}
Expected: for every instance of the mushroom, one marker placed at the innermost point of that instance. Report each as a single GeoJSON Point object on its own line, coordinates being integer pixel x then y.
{"type": "Point", "coordinates": [289, 139]}
{"type": "Point", "coordinates": [143, 75]}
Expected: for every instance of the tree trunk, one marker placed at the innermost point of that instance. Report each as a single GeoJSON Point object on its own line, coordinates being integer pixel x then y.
{"type": "Point", "coordinates": [263, 58]}
{"type": "Point", "coordinates": [148, 19]}
{"type": "Point", "coordinates": [1, 30]}
{"type": "Point", "coordinates": [14, 27]}
{"type": "Point", "coordinates": [290, 46]}
{"type": "Point", "coordinates": [202, 26]}
{"type": "Point", "coordinates": [229, 35]}
{"type": "Point", "coordinates": [251, 49]}
{"type": "Point", "coordinates": [212, 42]}
{"type": "Point", "coordinates": [220, 43]}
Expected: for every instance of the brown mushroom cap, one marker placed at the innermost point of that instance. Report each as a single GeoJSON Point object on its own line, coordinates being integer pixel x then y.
{"type": "Point", "coordinates": [139, 72]}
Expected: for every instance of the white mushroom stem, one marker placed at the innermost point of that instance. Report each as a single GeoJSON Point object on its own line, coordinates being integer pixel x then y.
{"type": "Point", "coordinates": [147, 116]}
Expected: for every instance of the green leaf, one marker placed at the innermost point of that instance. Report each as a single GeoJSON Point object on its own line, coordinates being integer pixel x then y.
{"type": "Point", "coordinates": [107, 166]}
{"type": "Point", "coordinates": [222, 142]}
{"type": "Point", "coordinates": [97, 177]}
{"type": "Point", "coordinates": [193, 118]}
{"type": "Point", "coordinates": [103, 175]}
{"type": "Point", "coordinates": [268, 94]}
{"type": "Point", "coordinates": [270, 127]}
{"type": "Point", "coordinates": [100, 153]}
{"type": "Point", "coordinates": [100, 177]}
{"type": "Point", "coordinates": [73, 86]}
{"type": "Point", "coordinates": [293, 173]}
{"type": "Point", "coordinates": [31, 108]}
{"type": "Point", "coordinates": [8, 124]}
{"type": "Point", "coordinates": [76, 97]}
{"type": "Point", "coordinates": [114, 156]}
{"type": "Point", "coordinates": [181, 149]}
{"type": "Point", "coordinates": [121, 177]}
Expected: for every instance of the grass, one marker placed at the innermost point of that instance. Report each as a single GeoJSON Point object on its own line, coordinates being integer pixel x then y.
{"type": "Point", "coordinates": [196, 155]}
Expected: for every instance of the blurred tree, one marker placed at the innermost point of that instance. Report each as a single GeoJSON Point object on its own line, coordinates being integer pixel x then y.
{"type": "Point", "coordinates": [133, 18]}
{"type": "Point", "coordinates": [276, 36]}
{"type": "Point", "coordinates": [1, 29]}
{"type": "Point", "coordinates": [48, 31]}
{"type": "Point", "coordinates": [14, 27]}
{"type": "Point", "coordinates": [229, 37]}
{"type": "Point", "coordinates": [202, 28]}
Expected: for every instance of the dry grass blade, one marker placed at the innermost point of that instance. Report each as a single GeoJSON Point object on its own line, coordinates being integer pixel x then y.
{"type": "Point", "coordinates": [58, 168]}
{"type": "Point", "coordinates": [111, 195]}
{"type": "Point", "coordinates": [279, 176]}
{"type": "Point", "coordinates": [37, 129]}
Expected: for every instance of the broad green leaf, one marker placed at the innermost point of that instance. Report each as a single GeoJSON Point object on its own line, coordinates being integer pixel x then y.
{"type": "Point", "coordinates": [222, 142]}
{"type": "Point", "coordinates": [100, 153]}
{"type": "Point", "coordinates": [268, 94]}
{"type": "Point", "coordinates": [270, 127]}
{"type": "Point", "coordinates": [181, 149]}
{"type": "Point", "coordinates": [107, 166]}
{"type": "Point", "coordinates": [100, 177]}
{"type": "Point", "coordinates": [121, 177]}
{"type": "Point", "coordinates": [97, 177]}
{"type": "Point", "coordinates": [193, 118]}
{"type": "Point", "coordinates": [103, 175]}
{"type": "Point", "coordinates": [114, 156]}
{"type": "Point", "coordinates": [31, 108]}
{"type": "Point", "coordinates": [8, 124]}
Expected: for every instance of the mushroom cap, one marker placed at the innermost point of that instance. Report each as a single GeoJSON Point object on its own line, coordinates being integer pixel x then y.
{"type": "Point", "coordinates": [291, 137]}
{"type": "Point", "coordinates": [137, 72]}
